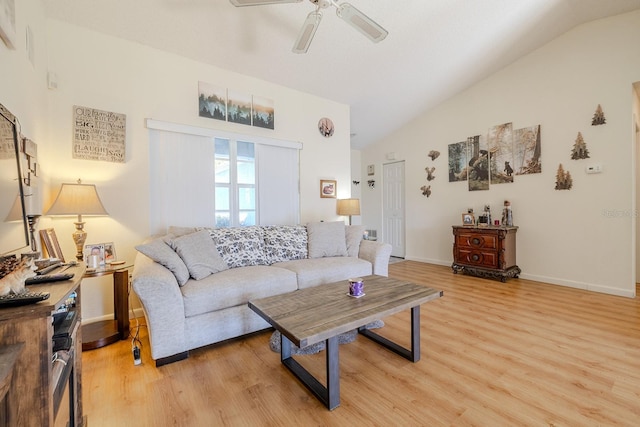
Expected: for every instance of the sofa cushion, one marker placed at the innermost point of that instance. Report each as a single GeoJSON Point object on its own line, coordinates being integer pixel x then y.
{"type": "Point", "coordinates": [285, 243]}
{"type": "Point", "coordinates": [159, 250]}
{"type": "Point", "coordinates": [326, 239]}
{"type": "Point", "coordinates": [199, 253]}
{"type": "Point", "coordinates": [317, 271]}
{"type": "Point", "coordinates": [178, 231]}
{"type": "Point", "coordinates": [240, 246]}
{"type": "Point", "coordinates": [354, 234]}
{"type": "Point", "coordinates": [235, 287]}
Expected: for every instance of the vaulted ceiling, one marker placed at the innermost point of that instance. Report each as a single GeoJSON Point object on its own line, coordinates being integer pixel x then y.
{"type": "Point", "coordinates": [435, 48]}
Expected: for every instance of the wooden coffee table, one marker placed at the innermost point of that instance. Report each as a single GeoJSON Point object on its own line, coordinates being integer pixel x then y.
{"type": "Point", "coordinates": [321, 313]}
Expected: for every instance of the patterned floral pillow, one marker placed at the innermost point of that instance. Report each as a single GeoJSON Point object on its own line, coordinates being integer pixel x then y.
{"type": "Point", "coordinates": [240, 246]}
{"type": "Point", "coordinates": [285, 243]}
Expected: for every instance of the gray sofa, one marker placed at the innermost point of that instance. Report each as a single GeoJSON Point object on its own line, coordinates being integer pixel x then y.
{"type": "Point", "coordinates": [194, 284]}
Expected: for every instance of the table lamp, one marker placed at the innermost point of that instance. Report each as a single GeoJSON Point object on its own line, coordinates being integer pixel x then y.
{"type": "Point", "coordinates": [78, 199]}
{"type": "Point", "coordinates": [349, 207]}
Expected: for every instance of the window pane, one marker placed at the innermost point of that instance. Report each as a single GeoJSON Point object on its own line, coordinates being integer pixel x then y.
{"type": "Point", "coordinates": [223, 219]}
{"type": "Point", "coordinates": [221, 166]}
{"type": "Point", "coordinates": [247, 218]}
{"type": "Point", "coordinates": [246, 151]}
{"type": "Point", "coordinates": [222, 148]}
{"type": "Point", "coordinates": [222, 171]}
{"type": "Point", "coordinates": [222, 198]}
{"type": "Point", "coordinates": [246, 162]}
{"type": "Point", "coordinates": [246, 198]}
{"type": "Point", "coordinates": [246, 173]}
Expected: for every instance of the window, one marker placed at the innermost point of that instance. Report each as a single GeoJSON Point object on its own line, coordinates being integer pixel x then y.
{"type": "Point", "coordinates": [235, 183]}
{"type": "Point", "coordinates": [205, 177]}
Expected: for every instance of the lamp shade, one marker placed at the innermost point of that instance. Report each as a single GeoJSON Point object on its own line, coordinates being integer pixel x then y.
{"type": "Point", "coordinates": [77, 199]}
{"type": "Point", "coordinates": [349, 207]}
{"type": "Point", "coordinates": [15, 214]}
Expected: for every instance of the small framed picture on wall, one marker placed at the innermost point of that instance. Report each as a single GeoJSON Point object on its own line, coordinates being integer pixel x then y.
{"type": "Point", "coordinates": [328, 188]}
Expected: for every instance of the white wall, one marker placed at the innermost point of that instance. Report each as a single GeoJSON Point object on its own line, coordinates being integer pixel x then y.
{"type": "Point", "coordinates": [636, 132]}
{"type": "Point", "coordinates": [356, 189]}
{"type": "Point", "coordinates": [23, 85]}
{"type": "Point", "coordinates": [110, 74]}
{"type": "Point", "coordinates": [581, 238]}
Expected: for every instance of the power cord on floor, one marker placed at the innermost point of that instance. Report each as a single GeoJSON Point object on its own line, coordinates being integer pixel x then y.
{"type": "Point", "coordinates": [136, 344]}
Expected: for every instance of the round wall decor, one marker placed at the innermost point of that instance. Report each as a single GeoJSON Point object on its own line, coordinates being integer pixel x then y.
{"type": "Point", "coordinates": [325, 127]}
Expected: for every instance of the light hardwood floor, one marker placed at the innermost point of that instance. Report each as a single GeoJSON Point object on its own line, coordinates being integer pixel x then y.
{"type": "Point", "coordinates": [519, 353]}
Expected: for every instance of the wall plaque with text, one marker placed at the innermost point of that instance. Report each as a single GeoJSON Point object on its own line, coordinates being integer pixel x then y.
{"type": "Point", "coordinates": [98, 135]}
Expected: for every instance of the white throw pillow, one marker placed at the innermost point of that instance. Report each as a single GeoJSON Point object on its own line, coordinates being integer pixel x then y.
{"type": "Point", "coordinates": [160, 251]}
{"type": "Point", "coordinates": [199, 253]}
{"type": "Point", "coordinates": [326, 239]}
{"type": "Point", "coordinates": [354, 235]}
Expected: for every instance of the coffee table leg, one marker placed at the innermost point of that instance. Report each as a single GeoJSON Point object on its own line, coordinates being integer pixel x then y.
{"type": "Point", "coordinates": [333, 373]}
{"type": "Point", "coordinates": [329, 395]}
{"type": "Point", "coordinates": [412, 354]}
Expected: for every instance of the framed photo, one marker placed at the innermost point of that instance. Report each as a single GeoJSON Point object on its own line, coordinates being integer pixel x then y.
{"type": "Point", "coordinates": [328, 188]}
{"type": "Point", "coordinates": [94, 249]}
{"type": "Point", "coordinates": [468, 219]}
{"type": "Point", "coordinates": [109, 252]}
{"type": "Point", "coordinates": [106, 252]}
{"type": "Point", "coordinates": [50, 244]}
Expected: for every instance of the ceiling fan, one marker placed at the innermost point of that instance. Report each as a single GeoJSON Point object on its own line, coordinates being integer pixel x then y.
{"type": "Point", "coordinates": [358, 20]}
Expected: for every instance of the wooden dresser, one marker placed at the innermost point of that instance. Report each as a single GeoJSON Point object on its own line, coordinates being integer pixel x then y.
{"type": "Point", "coordinates": [485, 251]}
{"type": "Point", "coordinates": [35, 396]}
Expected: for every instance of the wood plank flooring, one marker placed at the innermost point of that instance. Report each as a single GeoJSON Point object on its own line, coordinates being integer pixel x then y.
{"type": "Point", "coordinates": [520, 353]}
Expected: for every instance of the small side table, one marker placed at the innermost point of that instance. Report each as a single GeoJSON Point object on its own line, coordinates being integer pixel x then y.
{"type": "Point", "coordinates": [105, 332]}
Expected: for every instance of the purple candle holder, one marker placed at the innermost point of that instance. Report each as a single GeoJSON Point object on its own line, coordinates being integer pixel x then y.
{"type": "Point", "coordinates": [356, 287]}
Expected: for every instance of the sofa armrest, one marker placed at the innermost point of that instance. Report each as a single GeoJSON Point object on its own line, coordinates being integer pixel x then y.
{"type": "Point", "coordinates": [377, 253]}
{"type": "Point", "coordinates": [163, 305]}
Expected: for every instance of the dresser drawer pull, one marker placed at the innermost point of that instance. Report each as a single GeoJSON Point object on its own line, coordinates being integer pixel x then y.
{"type": "Point", "coordinates": [476, 241]}
{"type": "Point", "coordinates": [475, 257]}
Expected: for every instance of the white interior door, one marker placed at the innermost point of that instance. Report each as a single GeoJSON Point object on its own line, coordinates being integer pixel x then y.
{"type": "Point", "coordinates": [393, 214]}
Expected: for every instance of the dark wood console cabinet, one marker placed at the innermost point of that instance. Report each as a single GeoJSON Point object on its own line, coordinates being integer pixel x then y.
{"type": "Point", "coordinates": [485, 251]}
{"type": "Point", "coordinates": [34, 397]}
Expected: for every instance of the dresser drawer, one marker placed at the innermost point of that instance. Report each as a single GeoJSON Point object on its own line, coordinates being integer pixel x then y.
{"type": "Point", "coordinates": [487, 259]}
{"type": "Point", "coordinates": [477, 241]}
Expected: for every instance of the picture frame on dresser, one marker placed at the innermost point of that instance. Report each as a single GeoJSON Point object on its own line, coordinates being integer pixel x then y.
{"type": "Point", "coordinates": [50, 244]}
{"type": "Point", "coordinates": [468, 220]}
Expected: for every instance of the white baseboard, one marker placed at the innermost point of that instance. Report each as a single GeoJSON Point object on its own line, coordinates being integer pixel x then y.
{"type": "Point", "coordinates": [137, 313]}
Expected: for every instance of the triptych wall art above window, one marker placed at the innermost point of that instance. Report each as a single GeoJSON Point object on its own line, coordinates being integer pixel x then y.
{"type": "Point", "coordinates": [495, 158]}
{"type": "Point", "coordinates": [219, 103]}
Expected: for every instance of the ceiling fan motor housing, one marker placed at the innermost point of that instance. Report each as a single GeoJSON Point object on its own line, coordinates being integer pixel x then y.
{"type": "Point", "coordinates": [322, 4]}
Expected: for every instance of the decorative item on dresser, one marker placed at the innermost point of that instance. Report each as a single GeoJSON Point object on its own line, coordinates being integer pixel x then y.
{"type": "Point", "coordinates": [485, 252]}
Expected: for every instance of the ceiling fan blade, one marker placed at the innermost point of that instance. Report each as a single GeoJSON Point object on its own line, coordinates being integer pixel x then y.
{"type": "Point", "coordinates": [361, 22]}
{"type": "Point", "coordinates": [307, 32]}
{"type": "Point", "coordinates": [240, 3]}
